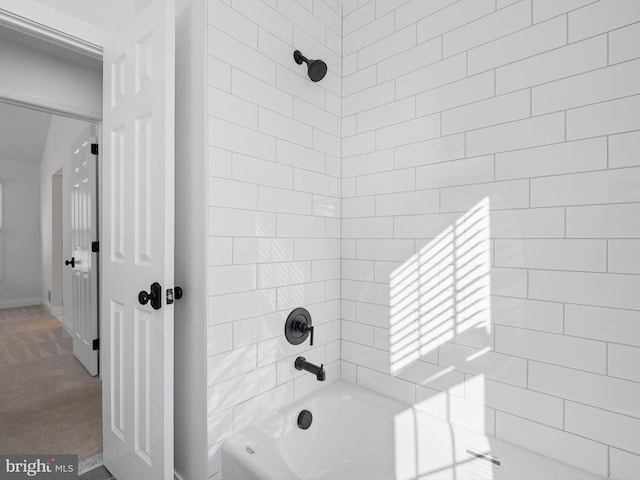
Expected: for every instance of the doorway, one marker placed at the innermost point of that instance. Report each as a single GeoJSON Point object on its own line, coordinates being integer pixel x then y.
{"type": "Point", "coordinates": [137, 281]}
{"type": "Point", "coordinates": [49, 402]}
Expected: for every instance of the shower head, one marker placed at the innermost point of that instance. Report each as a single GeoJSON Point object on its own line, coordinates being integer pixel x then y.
{"type": "Point", "coordinates": [316, 69]}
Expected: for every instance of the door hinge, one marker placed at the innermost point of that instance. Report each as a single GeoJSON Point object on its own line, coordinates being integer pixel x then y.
{"type": "Point", "coordinates": [95, 247]}
{"type": "Point", "coordinates": [96, 344]}
{"type": "Point", "coordinates": [94, 149]}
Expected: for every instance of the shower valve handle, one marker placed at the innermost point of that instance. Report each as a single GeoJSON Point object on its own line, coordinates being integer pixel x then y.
{"type": "Point", "coordinates": [304, 327]}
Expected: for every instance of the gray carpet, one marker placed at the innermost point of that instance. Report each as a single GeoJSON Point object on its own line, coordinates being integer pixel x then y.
{"type": "Point", "coordinates": [48, 401]}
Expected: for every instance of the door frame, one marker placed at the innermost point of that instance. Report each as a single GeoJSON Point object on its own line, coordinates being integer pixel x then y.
{"type": "Point", "coordinates": [78, 47]}
{"type": "Point", "coordinates": [49, 34]}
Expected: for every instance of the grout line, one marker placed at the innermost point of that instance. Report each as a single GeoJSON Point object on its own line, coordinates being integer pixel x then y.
{"type": "Point", "coordinates": [494, 176]}
{"type": "Point", "coordinates": [531, 22]}
{"type": "Point", "coordinates": [495, 422]}
{"type": "Point", "coordinates": [555, 428]}
{"type": "Point", "coordinates": [493, 256]}
{"type": "Point", "coordinates": [395, 29]}
{"type": "Point", "coordinates": [495, 83]}
{"type": "Point", "coordinates": [444, 212]}
{"type": "Point", "coordinates": [465, 144]}
{"type": "Point", "coordinates": [479, 100]}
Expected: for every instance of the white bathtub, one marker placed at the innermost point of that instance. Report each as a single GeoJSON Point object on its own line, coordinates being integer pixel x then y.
{"type": "Point", "coordinates": [358, 434]}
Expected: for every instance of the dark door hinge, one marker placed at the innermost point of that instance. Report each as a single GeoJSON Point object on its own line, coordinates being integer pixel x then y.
{"type": "Point", "coordinates": [96, 344]}
{"type": "Point", "coordinates": [94, 149]}
{"type": "Point", "coordinates": [95, 247]}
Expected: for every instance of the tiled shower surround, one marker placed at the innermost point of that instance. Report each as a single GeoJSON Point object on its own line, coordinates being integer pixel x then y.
{"type": "Point", "coordinates": [274, 215]}
{"type": "Point", "coordinates": [457, 203]}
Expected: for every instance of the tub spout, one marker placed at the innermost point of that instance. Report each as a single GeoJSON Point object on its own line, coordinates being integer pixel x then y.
{"type": "Point", "coordinates": [318, 371]}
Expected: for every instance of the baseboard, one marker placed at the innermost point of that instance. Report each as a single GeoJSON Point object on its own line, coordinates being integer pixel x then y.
{"type": "Point", "coordinates": [53, 311]}
{"type": "Point", "coordinates": [58, 313]}
{"type": "Point", "coordinates": [20, 302]}
{"type": "Point", "coordinates": [47, 306]}
{"type": "Point", "coordinates": [87, 464]}
{"type": "Point", "coordinates": [66, 324]}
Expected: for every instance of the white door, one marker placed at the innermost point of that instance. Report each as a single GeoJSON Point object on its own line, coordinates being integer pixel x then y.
{"type": "Point", "coordinates": [138, 237]}
{"type": "Point", "coordinates": [84, 263]}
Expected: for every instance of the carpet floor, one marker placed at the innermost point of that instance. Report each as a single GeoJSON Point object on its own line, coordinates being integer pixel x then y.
{"type": "Point", "coordinates": [49, 404]}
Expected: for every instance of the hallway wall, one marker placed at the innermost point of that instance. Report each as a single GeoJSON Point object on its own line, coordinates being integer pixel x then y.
{"type": "Point", "coordinates": [19, 234]}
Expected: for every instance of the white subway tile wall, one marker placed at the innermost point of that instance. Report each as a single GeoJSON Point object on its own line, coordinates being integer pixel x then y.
{"type": "Point", "coordinates": [274, 205]}
{"type": "Point", "coordinates": [457, 203]}
{"type": "Point", "coordinates": [528, 307]}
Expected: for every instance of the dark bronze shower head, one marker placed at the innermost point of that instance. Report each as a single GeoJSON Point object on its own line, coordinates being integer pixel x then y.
{"type": "Point", "coordinates": [316, 69]}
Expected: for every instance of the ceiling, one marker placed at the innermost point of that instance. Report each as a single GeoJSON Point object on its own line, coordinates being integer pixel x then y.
{"type": "Point", "coordinates": [23, 133]}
